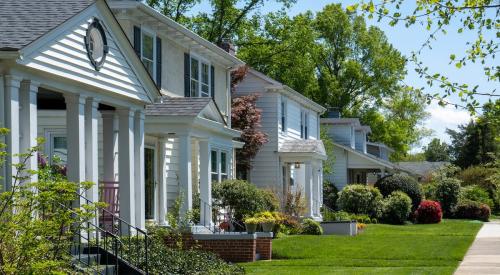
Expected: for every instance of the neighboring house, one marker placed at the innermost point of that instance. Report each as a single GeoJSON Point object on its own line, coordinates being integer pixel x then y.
{"type": "Point", "coordinates": [422, 169]}
{"type": "Point", "coordinates": [124, 96]}
{"type": "Point", "coordinates": [379, 150]}
{"type": "Point", "coordinates": [292, 160]}
{"type": "Point", "coordinates": [355, 159]}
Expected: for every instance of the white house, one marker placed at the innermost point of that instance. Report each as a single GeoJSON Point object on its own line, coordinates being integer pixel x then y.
{"type": "Point", "coordinates": [292, 159]}
{"type": "Point", "coordinates": [126, 97]}
{"type": "Point", "coordinates": [355, 159]}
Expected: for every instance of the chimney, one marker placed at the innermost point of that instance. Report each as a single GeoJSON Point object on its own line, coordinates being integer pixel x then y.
{"type": "Point", "coordinates": [333, 112]}
{"type": "Point", "coordinates": [228, 46]}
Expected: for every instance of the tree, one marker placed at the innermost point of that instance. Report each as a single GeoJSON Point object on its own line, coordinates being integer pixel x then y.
{"type": "Point", "coordinates": [479, 16]}
{"type": "Point", "coordinates": [436, 151]}
{"type": "Point", "coordinates": [478, 141]}
{"type": "Point", "coordinates": [246, 117]}
{"type": "Point", "coordinates": [175, 9]}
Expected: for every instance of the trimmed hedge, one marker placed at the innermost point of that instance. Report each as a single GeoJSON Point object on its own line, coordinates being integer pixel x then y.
{"type": "Point", "coordinates": [448, 193]}
{"type": "Point", "coordinates": [429, 212]}
{"type": "Point", "coordinates": [311, 227]}
{"type": "Point", "coordinates": [401, 182]}
{"type": "Point", "coordinates": [397, 208]}
{"type": "Point", "coordinates": [361, 199]}
{"type": "Point", "coordinates": [472, 210]}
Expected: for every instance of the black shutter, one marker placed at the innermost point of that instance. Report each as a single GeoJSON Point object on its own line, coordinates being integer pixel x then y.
{"type": "Point", "coordinates": [158, 62]}
{"type": "Point", "coordinates": [187, 75]}
{"type": "Point", "coordinates": [212, 81]}
{"type": "Point", "coordinates": [137, 40]}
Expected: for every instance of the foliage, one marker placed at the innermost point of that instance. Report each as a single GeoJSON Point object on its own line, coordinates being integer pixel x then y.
{"type": "Point", "coordinates": [360, 199]}
{"type": "Point", "coordinates": [400, 182]}
{"type": "Point", "coordinates": [311, 227]}
{"type": "Point", "coordinates": [477, 194]}
{"type": "Point", "coordinates": [448, 193]}
{"type": "Point", "coordinates": [246, 117]}
{"type": "Point", "coordinates": [295, 203]}
{"type": "Point", "coordinates": [175, 9]}
{"type": "Point", "coordinates": [487, 177]}
{"type": "Point", "coordinates": [344, 216]}
{"type": "Point", "coordinates": [429, 212]}
{"type": "Point", "coordinates": [479, 16]}
{"type": "Point", "coordinates": [165, 260]}
{"type": "Point", "coordinates": [429, 190]}
{"type": "Point", "coordinates": [436, 151]}
{"type": "Point", "coordinates": [477, 142]}
{"type": "Point", "coordinates": [330, 194]}
{"type": "Point", "coordinates": [289, 225]}
{"type": "Point", "coordinates": [397, 208]}
{"type": "Point", "coordinates": [445, 172]}
{"type": "Point", "coordinates": [472, 210]}
{"type": "Point", "coordinates": [242, 198]}
{"type": "Point", "coordinates": [38, 220]}
{"type": "Point", "coordinates": [178, 221]}
{"type": "Point", "coordinates": [330, 154]}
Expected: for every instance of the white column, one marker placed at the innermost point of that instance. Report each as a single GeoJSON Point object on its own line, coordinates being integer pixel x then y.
{"type": "Point", "coordinates": [75, 135]}
{"type": "Point", "coordinates": [315, 191]}
{"type": "Point", "coordinates": [308, 188]}
{"type": "Point", "coordinates": [110, 146]}
{"type": "Point", "coordinates": [205, 184]}
{"type": "Point", "coordinates": [2, 125]}
{"type": "Point", "coordinates": [162, 190]}
{"type": "Point", "coordinates": [12, 85]}
{"type": "Point", "coordinates": [91, 149]}
{"type": "Point", "coordinates": [28, 119]}
{"type": "Point", "coordinates": [185, 177]}
{"type": "Point", "coordinates": [126, 175]}
{"type": "Point", "coordinates": [140, 200]}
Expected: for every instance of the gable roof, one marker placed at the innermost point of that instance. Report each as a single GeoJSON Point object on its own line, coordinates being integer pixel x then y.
{"type": "Point", "coordinates": [422, 168]}
{"type": "Point", "coordinates": [303, 146]}
{"type": "Point", "coordinates": [184, 106]}
{"type": "Point", "coordinates": [275, 85]}
{"type": "Point", "coordinates": [366, 156]}
{"type": "Point", "coordinates": [24, 21]}
{"type": "Point", "coordinates": [347, 120]}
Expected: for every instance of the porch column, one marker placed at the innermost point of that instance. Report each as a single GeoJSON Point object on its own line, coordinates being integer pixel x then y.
{"type": "Point", "coordinates": [205, 183]}
{"type": "Point", "coordinates": [75, 133]}
{"type": "Point", "coordinates": [126, 175]}
{"type": "Point", "coordinates": [2, 125]}
{"type": "Point", "coordinates": [162, 190]}
{"type": "Point", "coordinates": [28, 119]}
{"type": "Point", "coordinates": [91, 150]}
{"type": "Point", "coordinates": [140, 200]}
{"type": "Point", "coordinates": [308, 188]}
{"type": "Point", "coordinates": [110, 146]}
{"type": "Point", "coordinates": [185, 177]}
{"type": "Point", "coordinates": [315, 190]}
{"type": "Point", "coordinates": [12, 85]}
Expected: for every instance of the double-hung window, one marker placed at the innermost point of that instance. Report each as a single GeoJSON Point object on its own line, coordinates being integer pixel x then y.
{"type": "Point", "coordinates": [200, 78]}
{"type": "Point", "coordinates": [148, 52]}
{"type": "Point", "coordinates": [304, 125]}
{"type": "Point", "coordinates": [219, 165]}
{"type": "Point", "coordinates": [283, 112]}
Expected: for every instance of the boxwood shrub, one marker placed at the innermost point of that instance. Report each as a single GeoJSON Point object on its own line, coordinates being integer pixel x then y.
{"type": "Point", "coordinates": [397, 208]}
{"type": "Point", "coordinates": [400, 182]}
{"type": "Point", "coordinates": [361, 199]}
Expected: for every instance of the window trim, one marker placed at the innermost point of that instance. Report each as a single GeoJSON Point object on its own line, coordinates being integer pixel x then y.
{"type": "Point", "coordinates": [218, 172]}
{"type": "Point", "coordinates": [155, 183]}
{"type": "Point", "coordinates": [148, 32]}
{"type": "Point", "coordinates": [201, 61]}
{"type": "Point", "coordinates": [50, 134]}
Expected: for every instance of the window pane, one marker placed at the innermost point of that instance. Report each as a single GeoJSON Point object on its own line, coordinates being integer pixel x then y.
{"type": "Point", "coordinates": [213, 160]}
{"type": "Point", "coordinates": [147, 46]}
{"type": "Point", "coordinates": [215, 177]}
{"type": "Point", "coordinates": [194, 69]}
{"type": "Point", "coordinates": [60, 150]}
{"type": "Point", "coordinates": [149, 66]}
{"type": "Point", "coordinates": [223, 163]}
{"type": "Point", "coordinates": [204, 73]}
{"type": "Point", "coordinates": [194, 88]}
{"type": "Point", "coordinates": [204, 90]}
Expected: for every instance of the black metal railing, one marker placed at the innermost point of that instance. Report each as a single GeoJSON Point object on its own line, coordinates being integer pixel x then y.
{"type": "Point", "coordinates": [220, 219]}
{"type": "Point", "coordinates": [133, 248]}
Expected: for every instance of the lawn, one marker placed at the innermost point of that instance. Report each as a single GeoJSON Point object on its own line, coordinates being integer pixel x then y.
{"type": "Point", "coordinates": [381, 249]}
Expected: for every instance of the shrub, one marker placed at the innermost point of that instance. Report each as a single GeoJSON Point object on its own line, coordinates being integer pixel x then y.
{"type": "Point", "coordinates": [429, 191]}
{"type": "Point", "coordinates": [290, 225]}
{"type": "Point", "coordinates": [472, 210]}
{"type": "Point", "coordinates": [344, 216]}
{"type": "Point", "coordinates": [243, 198]}
{"type": "Point", "coordinates": [311, 227]}
{"type": "Point", "coordinates": [400, 182]}
{"type": "Point", "coordinates": [447, 193]}
{"type": "Point", "coordinates": [477, 194]}
{"type": "Point", "coordinates": [330, 195]}
{"type": "Point", "coordinates": [477, 175]}
{"type": "Point", "coordinates": [360, 199]}
{"type": "Point", "coordinates": [397, 208]}
{"type": "Point", "coordinates": [429, 212]}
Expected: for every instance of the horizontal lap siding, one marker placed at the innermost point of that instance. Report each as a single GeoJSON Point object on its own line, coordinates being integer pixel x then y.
{"type": "Point", "coordinates": [339, 176]}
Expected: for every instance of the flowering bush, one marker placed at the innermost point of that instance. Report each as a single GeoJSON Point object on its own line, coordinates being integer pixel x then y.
{"type": "Point", "coordinates": [361, 226]}
{"type": "Point", "coordinates": [472, 210]}
{"type": "Point", "coordinates": [429, 212]}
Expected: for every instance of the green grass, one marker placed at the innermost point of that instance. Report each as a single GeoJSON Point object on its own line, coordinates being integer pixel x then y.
{"type": "Point", "coordinates": [381, 249]}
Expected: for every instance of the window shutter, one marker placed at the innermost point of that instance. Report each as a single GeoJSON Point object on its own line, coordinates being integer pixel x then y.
{"type": "Point", "coordinates": [158, 62]}
{"type": "Point", "coordinates": [137, 40]}
{"type": "Point", "coordinates": [212, 81]}
{"type": "Point", "coordinates": [187, 75]}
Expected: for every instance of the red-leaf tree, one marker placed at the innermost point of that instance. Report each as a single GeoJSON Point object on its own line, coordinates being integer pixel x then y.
{"type": "Point", "coordinates": [246, 117]}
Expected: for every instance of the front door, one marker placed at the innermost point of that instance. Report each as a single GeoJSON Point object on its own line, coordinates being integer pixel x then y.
{"type": "Point", "coordinates": [150, 182]}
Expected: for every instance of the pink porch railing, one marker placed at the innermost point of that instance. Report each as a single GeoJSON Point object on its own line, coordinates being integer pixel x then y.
{"type": "Point", "coordinates": [108, 193]}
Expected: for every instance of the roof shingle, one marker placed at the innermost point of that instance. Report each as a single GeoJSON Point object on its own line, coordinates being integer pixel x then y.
{"type": "Point", "coordinates": [178, 106]}
{"type": "Point", "coordinates": [303, 146]}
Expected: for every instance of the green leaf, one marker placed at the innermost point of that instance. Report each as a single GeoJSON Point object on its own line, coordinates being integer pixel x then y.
{"type": "Point", "coordinates": [458, 65]}
{"type": "Point", "coordinates": [452, 57]}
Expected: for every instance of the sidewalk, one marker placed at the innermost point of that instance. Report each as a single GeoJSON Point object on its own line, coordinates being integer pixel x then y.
{"type": "Point", "coordinates": [483, 256]}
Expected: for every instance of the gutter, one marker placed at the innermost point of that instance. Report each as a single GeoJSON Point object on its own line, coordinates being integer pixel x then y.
{"type": "Point", "coordinates": [10, 54]}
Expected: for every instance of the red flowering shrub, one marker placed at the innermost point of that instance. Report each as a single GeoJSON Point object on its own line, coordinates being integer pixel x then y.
{"type": "Point", "coordinates": [429, 212]}
{"type": "Point", "coordinates": [472, 210]}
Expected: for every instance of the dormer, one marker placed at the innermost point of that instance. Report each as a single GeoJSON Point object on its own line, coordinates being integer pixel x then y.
{"type": "Point", "coordinates": [341, 130]}
{"type": "Point", "coordinates": [379, 150]}
{"type": "Point", "coordinates": [360, 137]}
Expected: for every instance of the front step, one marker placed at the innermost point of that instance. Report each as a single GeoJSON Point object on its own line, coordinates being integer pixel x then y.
{"type": "Point", "coordinates": [88, 264]}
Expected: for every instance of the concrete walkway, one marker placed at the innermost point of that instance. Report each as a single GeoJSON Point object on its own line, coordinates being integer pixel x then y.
{"type": "Point", "coordinates": [483, 256]}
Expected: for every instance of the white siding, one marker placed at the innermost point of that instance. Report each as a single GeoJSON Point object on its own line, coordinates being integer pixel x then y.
{"type": "Point", "coordinates": [313, 126]}
{"type": "Point", "coordinates": [360, 141]}
{"type": "Point", "coordinates": [339, 175]}
{"type": "Point", "coordinates": [65, 55]}
{"type": "Point", "coordinates": [342, 134]}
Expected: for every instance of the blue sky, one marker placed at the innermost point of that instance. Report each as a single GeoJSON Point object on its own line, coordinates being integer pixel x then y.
{"type": "Point", "coordinates": [410, 39]}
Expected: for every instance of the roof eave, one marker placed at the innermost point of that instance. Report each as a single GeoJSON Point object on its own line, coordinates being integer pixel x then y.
{"type": "Point", "coordinates": [10, 54]}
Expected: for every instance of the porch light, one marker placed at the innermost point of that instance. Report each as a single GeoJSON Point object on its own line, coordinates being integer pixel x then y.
{"type": "Point", "coordinates": [297, 165]}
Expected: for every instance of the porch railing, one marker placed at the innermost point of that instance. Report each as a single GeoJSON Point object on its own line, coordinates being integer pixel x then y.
{"type": "Point", "coordinates": [221, 219]}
